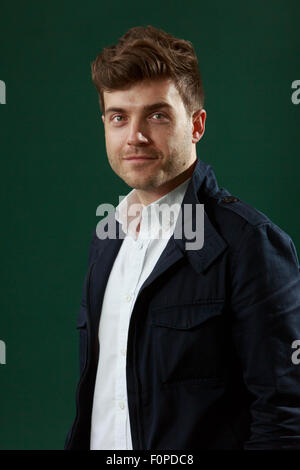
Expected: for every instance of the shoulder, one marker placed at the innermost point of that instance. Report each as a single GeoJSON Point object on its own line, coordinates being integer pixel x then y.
{"type": "Point", "coordinates": [235, 219]}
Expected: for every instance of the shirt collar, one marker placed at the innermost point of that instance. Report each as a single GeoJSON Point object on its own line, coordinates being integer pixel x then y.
{"type": "Point", "coordinates": [159, 215]}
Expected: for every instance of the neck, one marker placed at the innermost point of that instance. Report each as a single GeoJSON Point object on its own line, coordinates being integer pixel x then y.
{"type": "Point", "coordinates": [146, 197]}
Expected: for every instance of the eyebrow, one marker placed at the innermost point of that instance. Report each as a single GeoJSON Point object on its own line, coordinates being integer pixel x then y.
{"type": "Point", "coordinates": [148, 107]}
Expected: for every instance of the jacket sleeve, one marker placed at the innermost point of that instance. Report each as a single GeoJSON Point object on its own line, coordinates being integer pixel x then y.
{"type": "Point", "coordinates": [266, 324]}
{"type": "Point", "coordinates": [91, 258]}
{"type": "Point", "coordinates": [81, 326]}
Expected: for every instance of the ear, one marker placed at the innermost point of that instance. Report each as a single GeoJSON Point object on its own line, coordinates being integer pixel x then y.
{"type": "Point", "coordinates": [103, 118]}
{"type": "Point", "coordinates": [198, 125]}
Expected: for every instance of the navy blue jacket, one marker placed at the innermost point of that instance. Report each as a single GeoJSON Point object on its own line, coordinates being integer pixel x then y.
{"type": "Point", "coordinates": [209, 356]}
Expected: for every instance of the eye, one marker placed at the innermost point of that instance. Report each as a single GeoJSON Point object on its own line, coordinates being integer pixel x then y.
{"type": "Point", "coordinates": [117, 116]}
{"type": "Point", "coordinates": [158, 114]}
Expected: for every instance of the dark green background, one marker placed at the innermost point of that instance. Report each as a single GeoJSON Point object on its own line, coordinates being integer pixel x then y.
{"type": "Point", "coordinates": [54, 170]}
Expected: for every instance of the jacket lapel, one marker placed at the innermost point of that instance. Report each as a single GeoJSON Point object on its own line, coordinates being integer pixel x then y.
{"type": "Point", "coordinates": [106, 255]}
{"type": "Point", "coordinates": [213, 243]}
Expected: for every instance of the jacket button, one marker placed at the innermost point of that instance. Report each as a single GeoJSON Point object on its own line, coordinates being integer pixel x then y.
{"type": "Point", "coordinates": [230, 199]}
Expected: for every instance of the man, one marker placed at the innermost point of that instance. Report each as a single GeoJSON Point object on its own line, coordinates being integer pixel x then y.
{"type": "Point", "coordinates": [180, 348]}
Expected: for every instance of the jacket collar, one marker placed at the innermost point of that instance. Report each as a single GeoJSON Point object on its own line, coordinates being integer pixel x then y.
{"type": "Point", "coordinates": [202, 185]}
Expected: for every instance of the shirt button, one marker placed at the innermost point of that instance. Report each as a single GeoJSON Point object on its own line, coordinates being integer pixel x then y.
{"type": "Point", "coordinates": [128, 298]}
{"type": "Point", "coordinates": [123, 352]}
{"type": "Point", "coordinates": [121, 405]}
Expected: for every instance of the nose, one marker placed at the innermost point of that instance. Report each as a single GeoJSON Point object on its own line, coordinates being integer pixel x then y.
{"type": "Point", "coordinates": [137, 134]}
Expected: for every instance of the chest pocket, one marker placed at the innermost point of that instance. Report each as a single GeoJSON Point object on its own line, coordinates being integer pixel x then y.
{"type": "Point", "coordinates": [189, 341]}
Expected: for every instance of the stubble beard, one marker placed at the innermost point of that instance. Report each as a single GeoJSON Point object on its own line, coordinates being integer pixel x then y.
{"type": "Point", "coordinates": [177, 162]}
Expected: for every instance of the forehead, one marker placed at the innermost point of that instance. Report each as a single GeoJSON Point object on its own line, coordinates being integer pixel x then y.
{"type": "Point", "coordinates": [144, 93]}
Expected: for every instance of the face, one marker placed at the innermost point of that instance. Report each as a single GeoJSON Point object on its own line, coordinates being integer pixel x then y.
{"type": "Point", "coordinates": [150, 139]}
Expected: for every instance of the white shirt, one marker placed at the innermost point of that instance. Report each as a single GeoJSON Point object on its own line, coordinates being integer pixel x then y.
{"type": "Point", "coordinates": [139, 252]}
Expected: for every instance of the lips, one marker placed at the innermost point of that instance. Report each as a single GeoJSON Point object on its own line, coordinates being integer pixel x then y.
{"type": "Point", "coordinates": [139, 157]}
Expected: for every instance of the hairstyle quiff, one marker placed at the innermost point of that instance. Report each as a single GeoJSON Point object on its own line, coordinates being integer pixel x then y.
{"type": "Point", "coordinates": [149, 53]}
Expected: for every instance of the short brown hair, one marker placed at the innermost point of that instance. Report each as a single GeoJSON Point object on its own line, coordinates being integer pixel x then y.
{"type": "Point", "coordinates": [149, 53]}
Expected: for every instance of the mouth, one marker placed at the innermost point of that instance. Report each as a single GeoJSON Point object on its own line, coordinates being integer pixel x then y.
{"type": "Point", "coordinates": [139, 157]}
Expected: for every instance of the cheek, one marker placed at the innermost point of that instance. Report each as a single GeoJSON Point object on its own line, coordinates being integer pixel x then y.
{"type": "Point", "coordinates": [112, 143]}
{"type": "Point", "coordinates": [117, 140]}
{"type": "Point", "coordinates": [163, 139]}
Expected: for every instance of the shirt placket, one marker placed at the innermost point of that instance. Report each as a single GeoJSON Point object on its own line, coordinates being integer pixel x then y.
{"type": "Point", "coordinates": [135, 259]}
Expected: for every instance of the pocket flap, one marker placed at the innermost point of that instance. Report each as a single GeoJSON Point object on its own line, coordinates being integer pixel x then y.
{"type": "Point", "coordinates": [185, 316]}
{"type": "Point", "coordinates": [82, 317]}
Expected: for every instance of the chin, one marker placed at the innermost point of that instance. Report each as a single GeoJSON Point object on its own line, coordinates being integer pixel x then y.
{"type": "Point", "coordinates": [137, 185]}
{"type": "Point", "coordinates": [140, 183]}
